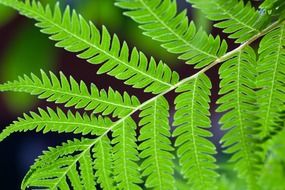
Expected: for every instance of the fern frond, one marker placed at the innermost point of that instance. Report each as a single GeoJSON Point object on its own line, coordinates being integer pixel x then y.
{"type": "Point", "coordinates": [192, 120]}
{"type": "Point", "coordinates": [239, 102]}
{"type": "Point", "coordinates": [156, 146]}
{"type": "Point", "coordinates": [237, 19]}
{"type": "Point", "coordinates": [58, 121]}
{"type": "Point", "coordinates": [75, 34]}
{"type": "Point", "coordinates": [160, 20]}
{"type": "Point", "coordinates": [103, 163]}
{"type": "Point", "coordinates": [271, 80]}
{"type": "Point", "coordinates": [125, 156]}
{"type": "Point", "coordinates": [72, 93]}
{"type": "Point", "coordinates": [59, 167]}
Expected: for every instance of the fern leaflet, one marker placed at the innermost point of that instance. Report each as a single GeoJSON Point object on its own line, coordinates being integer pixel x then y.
{"type": "Point", "coordinates": [74, 94]}
{"type": "Point", "coordinates": [270, 80]}
{"type": "Point", "coordinates": [126, 170]}
{"type": "Point", "coordinates": [156, 146]}
{"type": "Point", "coordinates": [103, 163]}
{"type": "Point", "coordinates": [58, 121]}
{"type": "Point", "coordinates": [160, 20]}
{"type": "Point", "coordinates": [239, 102]}
{"type": "Point", "coordinates": [58, 165]}
{"type": "Point", "coordinates": [191, 119]}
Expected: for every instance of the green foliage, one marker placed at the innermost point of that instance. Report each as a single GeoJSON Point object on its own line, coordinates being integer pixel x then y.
{"type": "Point", "coordinates": [238, 101]}
{"type": "Point", "coordinates": [156, 146]}
{"type": "Point", "coordinates": [58, 121]}
{"type": "Point", "coordinates": [72, 93]}
{"type": "Point", "coordinates": [195, 151]}
{"type": "Point", "coordinates": [161, 22]}
{"type": "Point", "coordinates": [56, 166]}
{"type": "Point", "coordinates": [103, 163]}
{"type": "Point", "coordinates": [118, 153]}
{"type": "Point", "coordinates": [271, 80]}
{"type": "Point", "coordinates": [125, 156]}
{"type": "Point", "coordinates": [75, 34]}
{"type": "Point", "coordinates": [237, 19]}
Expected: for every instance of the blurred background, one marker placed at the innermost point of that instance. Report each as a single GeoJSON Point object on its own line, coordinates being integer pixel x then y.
{"type": "Point", "coordinates": [23, 49]}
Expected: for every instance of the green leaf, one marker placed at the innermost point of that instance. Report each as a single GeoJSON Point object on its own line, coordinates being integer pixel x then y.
{"type": "Point", "coordinates": [126, 169]}
{"type": "Point", "coordinates": [51, 121]}
{"type": "Point", "coordinates": [155, 147]}
{"type": "Point", "coordinates": [195, 150]}
{"type": "Point", "coordinates": [160, 20]}
{"type": "Point", "coordinates": [270, 80]}
{"type": "Point", "coordinates": [239, 102]}
{"type": "Point", "coordinates": [57, 168]}
{"type": "Point", "coordinates": [239, 20]}
{"type": "Point", "coordinates": [73, 94]}
{"type": "Point", "coordinates": [103, 163]}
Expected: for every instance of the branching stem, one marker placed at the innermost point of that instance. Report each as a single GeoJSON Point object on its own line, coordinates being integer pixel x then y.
{"type": "Point", "coordinates": [217, 61]}
{"type": "Point", "coordinates": [205, 69]}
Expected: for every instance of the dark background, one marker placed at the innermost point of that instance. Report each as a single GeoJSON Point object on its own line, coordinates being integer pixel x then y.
{"type": "Point", "coordinates": [23, 49]}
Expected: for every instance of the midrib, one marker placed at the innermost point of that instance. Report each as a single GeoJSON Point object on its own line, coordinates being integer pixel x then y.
{"type": "Point", "coordinates": [155, 145]}
{"type": "Point", "coordinates": [197, 160]}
